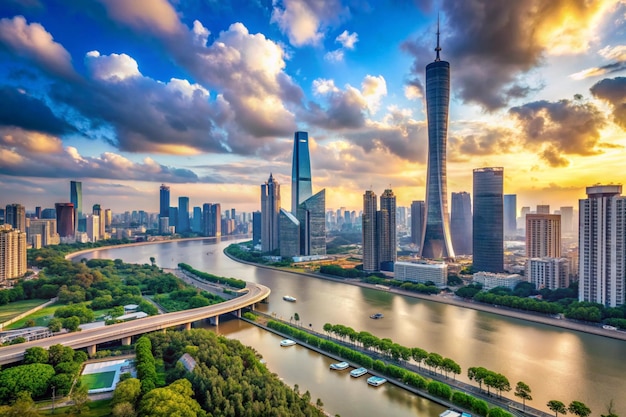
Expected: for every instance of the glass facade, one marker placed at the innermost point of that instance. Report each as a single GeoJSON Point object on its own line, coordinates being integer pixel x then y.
{"type": "Point", "coordinates": [369, 231]}
{"type": "Point", "coordinates": [488, 228]}
{"type": "Point", "coordinates": [311, 215]}
{"type": "Point", "coordinates": [418, 218]}
{"type": "Point", "coordinates": [510, 215]}
{"type": "Point", "coordinates": [183, 215]}
{"type": "Point", "coordinates": [301, 185]}
{"type": "Point", "coordinates": [65, 219]}
{"type": "Point", "coordinates": [289, 234]}
{"type": "Point", "coordinates": [164, 201]}
{"type": "Point", "coordinates": [387, 251]}
{"type": "Point", "coordinates": [270, 207]}
{"type": "Point", "coordinates": [436, 242]}
{"type": "Point", "coordinates": [461, 223]}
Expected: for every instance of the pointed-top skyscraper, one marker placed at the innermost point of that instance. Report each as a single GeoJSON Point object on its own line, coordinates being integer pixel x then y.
{"type": "Point", "coordinates": [301, 187]}
{"type": "Point", "coordinates": [436, 242]}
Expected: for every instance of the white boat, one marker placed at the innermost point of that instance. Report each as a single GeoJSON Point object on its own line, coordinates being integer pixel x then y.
{"type": "Point", "coordinates": [376, 381]}
{"type": "Point", "coordinates": [377, 316]}
{"type": "Point", "coordinates": [340, 366]}
{"type": "Point", "coordinates": [607, 327]}
{"type": "Point", "coordinates": [287, 342]}
{"type": "Point", "coordinates": [358, 372]}
{"type": "Point", "coordinates": [289, 298]}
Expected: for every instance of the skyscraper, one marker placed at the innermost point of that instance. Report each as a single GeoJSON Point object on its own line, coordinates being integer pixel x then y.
{"type": "Point", "coordinates": [313, 224]}
{"type": "Point", "coordinates": [461, 223]}
{"type": "Point", "coordinates": [488, 228]}
{"type": "Point", "coordinates": [301, 184]}
{"type": "Point", "coordinates": [510, 214]}
{"type": "Point", "coordinates": [270, 208]}
{"type": "Point", "coordinates": [369, 231]}
{"type": "Point", "coordinates": [97, 211]}
{"type": "Point", "coordinates": [212, 219]}
{"type": "Point", "coordinates": [387, 246]}
{"type": "Point", "coordinates": [182, 225]}
{"type": "Point", "coordinates": [567, 219]}
{"type": "Point", "coordinates": [12, 253]}
{"type": "Point", "coordinates": [601, 243]}
{"type": "Point", "coordinates": [15, 215]}
{"type": "Point", "coordinates": [436, 242]}
{"type": "Point", "coordinates": [257, 225]}
{"type": "Point", "coordinates": [543, 235]}
{"type": "Point", "coordinates": [164, 201]}
{"type": "Point", "coordinates": [543, 209]}
{"type": "Point", "coordinates": [418, 221]}
{"type": "Point", "coordinates": [65, 219]}
{"type": "Point", "coordinates": [76, 198]}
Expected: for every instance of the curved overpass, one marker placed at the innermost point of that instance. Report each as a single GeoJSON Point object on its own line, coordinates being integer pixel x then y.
{"type": "Point", "coordinates": [90, 338]}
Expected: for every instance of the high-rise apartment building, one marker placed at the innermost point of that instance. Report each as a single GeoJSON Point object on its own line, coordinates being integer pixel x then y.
{"type": "Point", "coordinates": [488, 227]}
{"type": "Point", "coordinates": [65, 219]}
{"type": "Point", "coordinates": [212, 219]}
{"type": "Point", "coordinates": [164, 201]}
{"type": "Point", "coordinates": [418, 221]}
{"type": "Point", "coordinates": [12, 253]}
{"type": "Point", "coordinates": [97, 211]}
{"type": "Point", "coordinates": [386, 223]}
{"type": "Point", "coordinates": [93, 227]}
{"type": "Point", "coordinates": [550, 273]}
{"type": "Point", "coordinates": [461, 223]}
{"type": "Point", "coordinates": [46, 228]}
{"type": "Point", "coordinates": [182, 225]}
{"type": "Point", "coordinates": [543, 209]}
{"type": "Point", "coordinates": [301, 181]}
{"type": "Point", "coordinates": [436, 242]}
{"type": "Point", "coordinates": [601, 246]}
{"type": "Point", "coordinates": [108, 218]}
{"type": "Point", "coordinates": [510, 214]}
{"type": "Point", "coordinates": [370, 232]}
{"type": "Point", "coordinates": [15, 215]}
{"type": "Point", "coordinates": [543, 235]}
{"type": "Point", "coordinates": [567, 219]}
{"type": "Point", "coordinates": [270, 209]}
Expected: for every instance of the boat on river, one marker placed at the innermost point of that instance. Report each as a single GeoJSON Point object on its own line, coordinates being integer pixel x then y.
{"type": "Point", "coordinates": [377, 316]}
{"type": "Point", "coordinates": [339, 366]}
{"type": "Point", "coordinates": [376, 381]}
{"type": "Point", "coordinates": [289, 298]}
{"type": "Point", "coordinates": [287, 342]}
{"type": "Point", "coordinates": [358, 372]}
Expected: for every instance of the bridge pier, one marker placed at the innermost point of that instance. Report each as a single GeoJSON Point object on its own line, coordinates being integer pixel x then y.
{"type": "Point", "coordinates": [126, 341]}
{"type": "Point", "coordinates": [215, 320]}
{"type": "Point", "coordinates": [91, 351]}
{"type": "Point", "coordinates": [238, 313]}
{"type": "Point", "coordinates": [187, 326]}
{"type": "Point", "coordinates": [252, 307]}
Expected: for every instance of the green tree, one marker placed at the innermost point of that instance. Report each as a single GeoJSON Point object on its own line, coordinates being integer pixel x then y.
{"type": "Point", "coordinates": [59, 353]}
{"type": "Point", "coordinates": [33, 378]}
{"type": "Point", "coordinates": [35, 355]}
{"type": "Point", "coordinates": [522, 390]}
{"type": "Point", "coordinates": [557, 406]}
{"type": "Point", "coordinates": [80, 399]}
{"type": "Point", "coordinates": [610, 412]}
{"type": "Point", "coordinates": [127, 391]}
{"type": "Point", "coordinates": [55, 325]}
{"type": "Point", "coordinates": [175, 399]}
{"type": "Point", "coordinates": [71, 323]}
{"type": "Point", "coordinates": [123, 409]}
{"type": "Point", "coordinates": [419, 355]}
{"type": "Point", "coordinates": [24, 406]}
{"type": "Point", "coordinates": [578, 408]}
{"type": "Point", "coordinates": [498, 412]}
{"type": "Point", "coordinates": [296, 317]}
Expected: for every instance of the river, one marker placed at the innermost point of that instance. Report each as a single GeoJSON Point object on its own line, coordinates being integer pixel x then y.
{"type": "Point", "coordinates": [557, 364]}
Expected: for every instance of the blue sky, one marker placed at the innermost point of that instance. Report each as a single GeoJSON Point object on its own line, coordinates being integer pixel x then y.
{"type": "Point", "coordinates": [205, 96]}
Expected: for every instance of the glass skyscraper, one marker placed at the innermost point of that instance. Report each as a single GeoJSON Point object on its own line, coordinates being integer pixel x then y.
{"type": "Point", "coordinates": [270, 208]}
{"type": "Point", "coordinates": [436, 242]}
{"type": "Point", "coordinates": [461, 223]}
{"type": "Point", "coordinates": [510, 215]}
{"type": "Point", "coordinates": [488, 219]}
{"type": "Point", "coordinates": [76, 198]}
{"type": "Point", "coordinates": [301, 185]}
{"type": "Point", "coordinates": [182, 225]}
{"type": "Point", "coordinates": [164, 201]}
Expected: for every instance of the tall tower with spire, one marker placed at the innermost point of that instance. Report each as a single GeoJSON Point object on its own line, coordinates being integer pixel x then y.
{"type": "Point", "coordinates": [270, 209]}
{"type": "Point", "coordinates": [436, 241]}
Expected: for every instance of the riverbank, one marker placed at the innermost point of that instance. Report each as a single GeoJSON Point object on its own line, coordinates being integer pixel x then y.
{"type": "Point", "coordinates": [459, 302]}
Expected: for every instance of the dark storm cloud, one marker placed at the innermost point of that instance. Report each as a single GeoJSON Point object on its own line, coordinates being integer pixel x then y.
{"type": "Point", "coordinates": [564, 127]}
{"type": "Point", "coordinates": [21, 110]}
{"type": "Point", "coordinates": [613, 91]}
{"type": "Point", "coordinates": [487, 141]}
{"type": "Point", "coordinates": [490, 44]}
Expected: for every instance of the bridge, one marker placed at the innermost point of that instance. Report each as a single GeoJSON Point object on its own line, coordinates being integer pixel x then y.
{"type": "Point", "coordinates": [125, 331]}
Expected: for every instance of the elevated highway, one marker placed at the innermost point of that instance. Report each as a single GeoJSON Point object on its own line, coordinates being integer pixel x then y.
{"type": "Point", "coordinates": [125, 331]}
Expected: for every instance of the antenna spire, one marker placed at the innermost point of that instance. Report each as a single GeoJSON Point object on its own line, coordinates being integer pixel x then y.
{"type": "Point", "coordinates": [438, 48]}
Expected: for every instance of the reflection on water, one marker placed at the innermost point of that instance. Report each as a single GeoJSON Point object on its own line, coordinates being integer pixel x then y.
{"type": "Point", "coordinates": [555, 363]}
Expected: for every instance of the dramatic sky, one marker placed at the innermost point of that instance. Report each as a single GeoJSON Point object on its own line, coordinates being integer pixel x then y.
{"type": "Point", "coordinates": [205, 95]}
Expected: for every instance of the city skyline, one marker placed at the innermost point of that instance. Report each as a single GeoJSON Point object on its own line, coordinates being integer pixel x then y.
{"type": "Point", "coordinates": [206, 100]}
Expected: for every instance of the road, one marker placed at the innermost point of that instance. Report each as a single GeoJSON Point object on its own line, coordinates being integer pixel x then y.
{"type": "Point", "coordinates": [255, 294]}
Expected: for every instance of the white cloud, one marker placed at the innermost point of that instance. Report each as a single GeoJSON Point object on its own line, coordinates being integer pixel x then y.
{"type": "Point", "coordinates": [347, 40]}
{"type": "Point", "coordinates": [112, 67]}
{"type": "Point", "coordinates": [298, 21]}
{"type": "Point", "coordinates": [323, 86]}
{"type": "Point", "coordinates": [157, 16]}
{"type": "Point", "coordinates": [373, 90]}
{"type": "Point", "coordinates": [334, 56]}
{"type": "Point", "coordinates": [617, 53]}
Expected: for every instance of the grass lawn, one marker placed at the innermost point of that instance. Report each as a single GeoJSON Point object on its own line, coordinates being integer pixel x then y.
{"type": "Point", "coordinates": [100, 408]}
{"type": "Point", "coordinates": [99, 380]}
{"type": "Point", "coordinates": [41, 317]}
{"type": "Point", "coordinates": [8, 311]}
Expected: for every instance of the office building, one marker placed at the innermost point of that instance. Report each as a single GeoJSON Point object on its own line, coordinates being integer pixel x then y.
{"type": "Point", "coordinates": [76, 198]}
{"type": "Point", "coordinates": [212, 219]}
{"type": "Point", "coordinates": [12, 254]}
{"type": "Point", "coordinates": [182, 225]}
{"type": "Point", "coordinates": [436, 242]}
{"type": "Point", "coordinates": [301, 181]}
{"type": "Point", "coordinates": [270, 209]}
{"type": "Point", "coordinates": [418, 221]}
{"type": "Point", "coordinates": [196, 223]}
{"type": "Point", "coordinates": [310, 215]}
{"type": "Point", "coordinates": [38, 212]}
{"type": "Point", "coordinates": [567, 219]}
{"type": "Point", "coordinates": [48, 213]}
{"type": "Point", "coordinates": [164, 201]}
{"type": "Point", "coordinates": [386, 223]}
{"type": "Point", "coordinates": [97, 211]}
{"type": "Point", "coordinates": [510, 215]}
{"type": "Point", "coordinates": [601, 247]}
{"type": "Point", "coordinates": [173, 217]}
{"type": "Point", "coordinates": [289, 234]}
{"type": "Point", "coordinates": [550, 273]}
{"type": "Point", "coordinates": [461, 223]}
{"type": "Point", "coordinates": [521, 220]}
{"type": "Point", "coordinates": [370, 232]}
{"type": "Point", "coordinates": [488, 228]}
{"type": "Point", "coordinates": [15, 215]}
{"type": "Point", "coordinates": [543, 209]}
{"type": "Point", "coordinates": [93, 227]}
{"type": "Point", "coordinates": [46, 228]}
{"type": "Point", "coordinates": [543, 235]}
{"type": "Point", "coordinates": [65, 219]}
{"type": "Point", "coordinates": [490, 280]}
{"type": "Point", "coordinates": [257, 226]}
{"type": "Point", "coordinates": [422, 272]}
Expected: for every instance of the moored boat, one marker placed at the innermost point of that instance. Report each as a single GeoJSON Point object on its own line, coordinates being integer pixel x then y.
{"type": "Point", "coordinates": [376, 381]}
{"type": "Point", "coordinates": [339, 366]}
{"type": "Point", "coordinates": [358, 372]}
{"type": "Point", "coordinates": [287, 342]}
{"type": "Point", "coordinates": [377, 316]}
{"type": "Point", "coordinates": [289, 298]}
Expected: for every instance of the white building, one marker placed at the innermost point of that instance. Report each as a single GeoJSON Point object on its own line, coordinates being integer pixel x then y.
{"type": "Point", "coordinates": [422, 272]}
{"type": "Point", "coordinates": [602, 239]}
{"type": "Point", "coordinates": [550, 273]}
{"type": "Point", "coordinates": [93, 227]}
{"type": "Point", "coordinates": [491, 280]}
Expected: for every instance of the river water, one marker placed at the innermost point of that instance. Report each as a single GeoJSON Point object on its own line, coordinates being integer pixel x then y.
{"type": "Point", "coordinates": [557, 364]}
